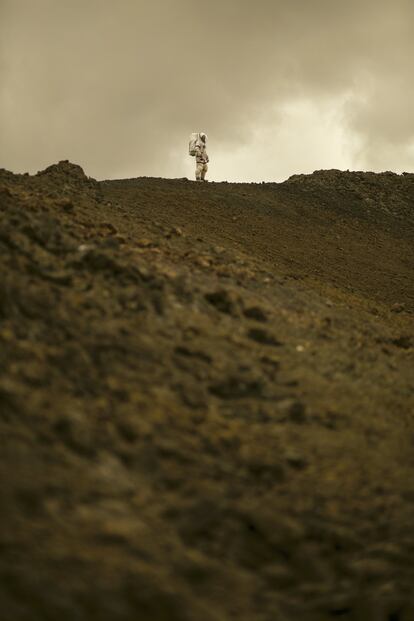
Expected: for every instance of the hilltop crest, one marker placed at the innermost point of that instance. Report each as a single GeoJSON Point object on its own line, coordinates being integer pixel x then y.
{"type": "Point", "coordinates": [206, 397]}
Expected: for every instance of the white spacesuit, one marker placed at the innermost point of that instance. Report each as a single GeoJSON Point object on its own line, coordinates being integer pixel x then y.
{"type": "Point", "coordinates": [201, 157]}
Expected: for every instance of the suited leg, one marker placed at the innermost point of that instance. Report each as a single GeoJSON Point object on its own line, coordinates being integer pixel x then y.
{"type": "Point", "coordinates": [199, 171]}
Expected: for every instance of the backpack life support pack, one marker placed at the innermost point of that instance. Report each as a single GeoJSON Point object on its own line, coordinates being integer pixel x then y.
{"type": "Point", "coordinates": [194, 141]}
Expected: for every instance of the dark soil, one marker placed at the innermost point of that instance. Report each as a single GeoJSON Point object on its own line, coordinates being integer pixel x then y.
{"type": "Point", "coordinates": [206, 398]}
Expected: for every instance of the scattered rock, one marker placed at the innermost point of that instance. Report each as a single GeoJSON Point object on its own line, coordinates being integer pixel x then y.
{"type": "Point", "coordinates": [271, 361]}
{"type": "Point", "coordinates": [222, 300]}
{"type": "Point", "coordinates": [74, 431]}
{"type": "Point", "coordinates": [181, 350]}
{"type": "Point", "coordinates": [296, 460]}
{"type": "Point", "coordinates": [234, 387]}
{"type": "Point", "coordinates": [398, 308]}
{"type": "Point", "coordinates": [291, 410]}
{"type": "Point", "coordinates": [263, 337]}
{"type": "Point", "coordinates": [203, 261]}
{"type": "Point", "coordinates": [255, 312]}
{"type": "Point", "coordinates": [66, 204]}
{"type": "Point", "coordinates": [178, 231]}
{"type": "Point", "coordinates": [403, 342]}
{"type": "Point", "coordinates": [145, 243]}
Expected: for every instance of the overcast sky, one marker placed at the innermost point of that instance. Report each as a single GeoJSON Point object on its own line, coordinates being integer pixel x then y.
{"type": "Point", "coordinates": [280, 87]}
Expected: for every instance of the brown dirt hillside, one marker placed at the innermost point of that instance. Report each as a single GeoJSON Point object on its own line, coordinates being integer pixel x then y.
{"type": "Point", "coordinates": [206, 398]}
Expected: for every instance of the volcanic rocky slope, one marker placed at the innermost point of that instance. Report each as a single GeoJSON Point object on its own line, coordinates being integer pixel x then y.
{"type": "Point", "coordinates": [206, 398]}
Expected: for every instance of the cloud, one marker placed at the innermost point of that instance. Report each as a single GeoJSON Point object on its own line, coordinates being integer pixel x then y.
{"type": "Point", "coordinates": [117, 87]}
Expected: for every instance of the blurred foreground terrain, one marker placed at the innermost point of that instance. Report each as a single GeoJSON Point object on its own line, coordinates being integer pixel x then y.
{"type": "Point", "coordinates": [206, 398]}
